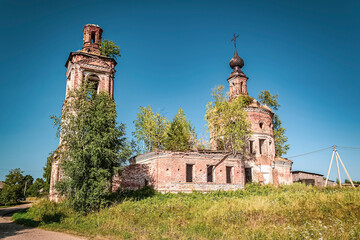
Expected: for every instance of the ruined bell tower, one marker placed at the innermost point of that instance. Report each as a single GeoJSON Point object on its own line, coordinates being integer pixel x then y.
{"type": "Point", "coordinates": [87, 63]}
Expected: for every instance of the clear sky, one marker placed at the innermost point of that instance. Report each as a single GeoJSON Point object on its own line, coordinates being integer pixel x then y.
{"type": "Point", "coordinates": [173, 54]}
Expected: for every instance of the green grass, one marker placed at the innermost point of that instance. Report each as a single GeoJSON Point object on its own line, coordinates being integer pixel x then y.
{"type": "Point", "coordinates": [13, 205]}
{"type": "Point", "coordinates": [290, 212]}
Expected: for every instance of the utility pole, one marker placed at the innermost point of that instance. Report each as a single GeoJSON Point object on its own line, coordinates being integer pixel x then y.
{"type": "Point", "coordinates": [337, 159]}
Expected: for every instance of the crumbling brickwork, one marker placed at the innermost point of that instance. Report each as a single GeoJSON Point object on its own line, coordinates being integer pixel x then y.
{"type": "Point", "coordinates": [282, 171]}
{"type": "Point", "coordinates": [91, 39]}
{"type": "Point", "coordinates": [167, 172]}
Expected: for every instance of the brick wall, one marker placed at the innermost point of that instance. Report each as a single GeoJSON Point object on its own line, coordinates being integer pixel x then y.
{"type": "Point", "coordinates": [282, 171]}
{"type": "Point", "coordinates": [166, 171]}
{"type": "Point", "coordinates": [306, 177]}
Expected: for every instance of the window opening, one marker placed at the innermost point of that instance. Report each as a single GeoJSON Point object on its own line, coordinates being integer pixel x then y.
{"type": "Point", "coordinates": [228, 174]}
{"type": "Point", "coordinates": [262, 146]}
{"type": "Point", "coordinates": [241, 87]}
{"type": "Point", "coordinates": [94, 82]}
{"type": "Point", "coordinates": [210, 170]}
{"type": "Point", "coordinates": [92, 37]}
{"type": "Point", "coordinates": [189, 172]}
{"type": "Point", "coordinates": [261, 125]}
{"type": "Point", "coordinates": [248, 176]}
{"type": "Point", "coordinates": [251, 147]}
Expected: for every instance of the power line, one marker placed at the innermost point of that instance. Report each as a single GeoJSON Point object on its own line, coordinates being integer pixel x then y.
{"type": "Point", "coordinates": [349, 148]}
{"type": "Point", "coordinates": [323, 149]}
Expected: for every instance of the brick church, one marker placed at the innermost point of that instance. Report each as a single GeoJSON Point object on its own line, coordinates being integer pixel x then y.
{"type": "Point", "coordinates": [210, 170]}
{"type": "Point", "coordinates": [203, 170]}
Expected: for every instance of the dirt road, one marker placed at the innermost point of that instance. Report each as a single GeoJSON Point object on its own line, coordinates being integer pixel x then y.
{"type": "Point", "coordinates": [10, 230]}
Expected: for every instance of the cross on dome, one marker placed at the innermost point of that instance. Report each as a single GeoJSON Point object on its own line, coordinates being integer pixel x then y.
{"type": "Point", "coordinates": [236, 62]}
{"type": "Point", "coordinates": [234, 39]}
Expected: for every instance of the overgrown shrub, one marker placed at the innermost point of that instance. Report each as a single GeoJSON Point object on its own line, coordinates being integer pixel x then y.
{"type": "Point", "coordinates": [48, 212]}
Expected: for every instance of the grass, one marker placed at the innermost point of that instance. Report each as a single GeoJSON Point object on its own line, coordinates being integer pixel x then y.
{"type": "Point", "coordinates": [13, 205]}
{"type": "Point", "coordinates": [289, 212]}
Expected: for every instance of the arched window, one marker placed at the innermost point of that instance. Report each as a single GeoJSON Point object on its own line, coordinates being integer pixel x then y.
{"type": "Point", "coordinates": [94, 82]}
{"type": "Point", "coordinates": [92, 37]}
{"type": "Point", "coordinates": [241, 87]}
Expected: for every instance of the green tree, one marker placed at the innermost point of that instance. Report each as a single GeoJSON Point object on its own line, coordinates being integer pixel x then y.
{"type": "Point", "coordinates": [35, 188]}
{"type": "Point", "coordinates": [180, 135]}
{"type": "Point", "coordinates": [280, 139]}
{"type": "Point", "coordinates": [91, 146]}
{"type": "Point", "coordinates": [47, 172]}
{"type": "Point", "coordinates": [13, 188]}
{"type": "Point", "coordinates": [227, 122]}
{"type": "Point", "coordinates": [109, 48]}
{"type": "Point", "coordinates": [28, 181]}
{"type": "Point", "coordinates": [150, 129]}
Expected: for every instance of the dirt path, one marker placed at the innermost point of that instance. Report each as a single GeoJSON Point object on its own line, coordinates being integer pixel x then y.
{"type": "Point", "coordinates": [10, 230]}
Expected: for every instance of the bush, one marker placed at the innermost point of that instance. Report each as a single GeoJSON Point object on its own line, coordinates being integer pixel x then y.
{"type": "Point", "coordinates": [47, 212]}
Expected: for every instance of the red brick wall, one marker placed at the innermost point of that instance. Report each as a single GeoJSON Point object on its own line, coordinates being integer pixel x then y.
{"type": "Point", "coordinates": [282, 171]}
{"type": "Point", "coordinates": [166, 171]}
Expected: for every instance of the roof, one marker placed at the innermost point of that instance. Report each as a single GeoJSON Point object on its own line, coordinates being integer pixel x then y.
{"type": "Point", "coordinates": [90, 55]}
{"type": "Point", "coordinates": [256, 104]}
{"type": "Point", "coordinates": [1, 184]}
{"type": "Point", "coordinates": [307, 173]}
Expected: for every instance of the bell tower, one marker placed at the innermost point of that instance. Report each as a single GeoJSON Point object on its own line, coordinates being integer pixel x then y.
{"type": "Point", "coordinates": [260, 159]}
{"type": "Point", "coordinates": [89, 64]}
{"type": "Point", "coordinates": [237, 79]}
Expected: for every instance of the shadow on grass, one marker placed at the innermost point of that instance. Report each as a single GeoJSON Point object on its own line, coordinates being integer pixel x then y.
{"type": "Point", "coordinates": [13, 205]}
{"type": "Point", "coordinates": [22, 218]}
{"type": "Point", "coordinates": [25, 219]}
{"type": "Point", "coordinates": [136, 195]}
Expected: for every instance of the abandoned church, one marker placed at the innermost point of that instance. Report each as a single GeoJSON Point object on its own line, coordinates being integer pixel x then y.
{"type": "Point", "coordinates": [168, 171]}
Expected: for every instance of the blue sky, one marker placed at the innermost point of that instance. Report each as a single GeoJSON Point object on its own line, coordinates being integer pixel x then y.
{"type": "Point", "coordinates": [173, 54]}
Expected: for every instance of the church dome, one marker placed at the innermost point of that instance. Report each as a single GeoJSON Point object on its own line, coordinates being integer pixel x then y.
{"type": "Point", "coordinates": [236, 61]}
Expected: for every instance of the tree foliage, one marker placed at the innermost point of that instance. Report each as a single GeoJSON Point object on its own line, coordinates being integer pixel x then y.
{"type": "Point", "coordinates": [109, 48]}
{"type": "Point", "coordinates": [180, 136]}
{"type": "Point", "coordinates": [280, 139]}
{"type": "Point", "coordinates": [13, 188]}
{"type": "Point", "coordinates": [154, 132]}
{"type": "Point", "coordinates": [37, 188]}
{"type": "Point", "coordinates": [91, 146]}
{"type": "Point", "coordinates": [150, 129]}
{"type": "Point", "coordinates": [47, 172]}
{"type": "Point", "coordinates": [47, 168]}
{"type": "Point", "coordinates": [28, 181]}
{"type": "Point", "coordinates": [227, 122]}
